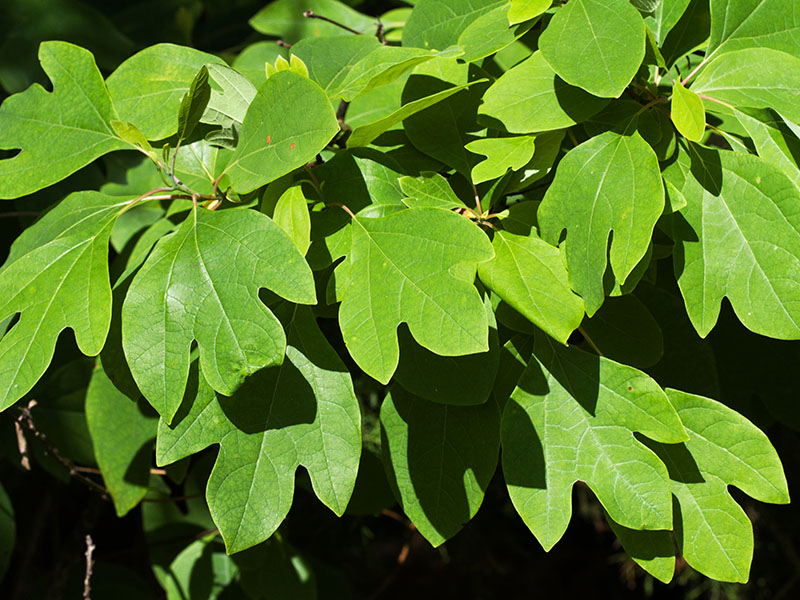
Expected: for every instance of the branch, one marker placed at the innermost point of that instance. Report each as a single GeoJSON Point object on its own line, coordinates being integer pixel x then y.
{"type": "Point", "coordinates": [87, 581]}
{"type": "Point", "coordinates": [310, 14]}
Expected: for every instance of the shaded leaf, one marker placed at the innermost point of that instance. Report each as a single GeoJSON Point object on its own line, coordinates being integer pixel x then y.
{"type": "Point", "coordinates": [437, 24]}
{"type": "Point", "coordinates": [284, 19]}
{"type": "Point", "coordinates": [194, 103]}
{"type": "Point", "coordinates": [439, 459]}
{"type": "Point", "coordinates": [429, 190]}
{"type": "Point", "coordinates": [303, 412]}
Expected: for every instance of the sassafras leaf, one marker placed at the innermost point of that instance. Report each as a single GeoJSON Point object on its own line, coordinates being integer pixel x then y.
{"type": "Point", "coordinates": [201, 283]}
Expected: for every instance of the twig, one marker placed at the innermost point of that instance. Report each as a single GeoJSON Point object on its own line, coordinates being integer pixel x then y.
{"type": "Point", "coordinates": [589, 341]}
{"type": "Point", "coordinates": [26, 418]}
{"type": "Point", "coordinates": [283, 44]}
{"type": "Point", "coordinates": [380, 34]}
{"type": "Point", "coordinates": [172, 498]}
{"type": "Point", "coordinates": [22, 444]}
{"type": "Point", "coordinates": [87, 581]}
{"type": "Point", "coordinates": [310, 14]}
{"type": "Point", "coordinates": [19, 213]}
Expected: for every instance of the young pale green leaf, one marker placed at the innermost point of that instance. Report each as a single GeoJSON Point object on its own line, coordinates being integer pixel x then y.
{"type": "Point", "coordinates": [289, 121]}
{"type": "Point", "coordinates": [58, 132]}
{"type": "Point", "coordinates": [429, 190]}
{"type": "Point", "coordinates": [439, 459]}
{"type": "Point", "coordinates": [738, 24]}
{"type": "Point", "coordinates": [56, 277]}
{"type": "Point", "coordinates": [250, 62]}
{"type": "Point", "coordinates": [201, 283]}
{"type": "Point", "coordinates": [529, 275]}
{"type": "Point", "coordinates": [330, 58]}
{"type": "Point", "coordinates": [194, 103]}
{"type": "Point", "coordinates": [753, 78]}
{"type": "Point", "coordinates": [123, 433]}
{"type": "Point", "coordinates": [530, 97]}
{"type": "Point", "coordinates": [609, 183]}
{"type": "Point", "coordinates": [720, 250]}
{"type": "Point", "coordinates": [409, 256]}
{"type": "Point", "coordinates": [147, 89]}
{"type": "Point", "coordinates": [524, 10]}
{"type": "Point", "coordinates": [231, 95]}
{"type": "Point", "coordinates": [501, 155]}
{"type": "Point", "coordinates": [457, 380]}
{"type": "Point", "coordinates": [303, 412]}
{"type": "Point", "coordinates": [572, 417]}
{"type": "Point", "coordinates": [291, 215]}
{"type": "Point", "coordinates": [596, 45]}
{"type": "Point", "coordinates": [365, 134]}
{"type": "Point", "coordinates": [437, 24]}
{"type": "Point", "coordinates": [687, 113]}
{"type": "Point", "coordinates": [284, 19]}
{"type": "Point", "coordinates": [774, 141]}
{"type": "Point", "coordinates": [713, 533]}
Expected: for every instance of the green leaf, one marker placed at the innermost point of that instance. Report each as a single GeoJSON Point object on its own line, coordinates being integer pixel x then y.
{"type": "Point", "coordinates": [721, 250]}
{"type": "Point", "coordinates": [147, 89]}
{"type": "Point", "coordinates": [738, 24]}
{"type": "Point", "coordinates": [331, 58]}
{"type": "Point", "coordinates": [774, 142]}
{"type": "Point", "coordinates": [429, 190]}
{"type": "Point", "coordinates": [58, 132]}
{"type": "Point", "coordinates": [530, 97]}
{"type": "Point", "coordinates": [754, 78]}
{"type": "Point", "coordinates": [276, 566]}
{"type": "Point", "coordinates": [289, 121]}
{"type": "Point", "coordinates": [489, 33]}
{"type": "Point", "coordinates": [303, 412]}
{"type": "Point", "coordinates": [123, 432]}
{"type": "Point", "coordinates": [689, 33]}
{"type": "Point", "coordinates": [437, 24]}
{"type": "Point", "coordinates": [201, 283]}
{"type": "Point", "coordinates": [529, 275]}
{"type": "Point", "coordinates": [411, 256]}
{"type": "Point", "coordinates": [501, 155]}
{"type": "Point", "coordinates": [58, 279]}
{"type": "Point", "coordinates": [8, 530]}
{"type": "Point", "coordinates": [383, 65]}
{"type": "Point", "coordinates": [284, 19]}
{"type": "Point", "coordinates": [548, 146]}
{"type": "Point", "coordinates": [572, 417]}
{"type": "Point", "coordinates": [456, 380]}
{"type": "Point", "coordinates": [231, 95]}
{"type": "Point", "coordinates": [609, 183]}
{"type": "Point", "coordinates": [687, 113]}
{"type": "Point", "coordinates": [654, 551]}
{"type": "Point", "coordinates": [440, 460]}
{"type": "Point", "coordinates": [713, 532]}
{"type": "Point", "coordinates": [291, 215]}
{"type": "Point", "coordinates": [524, 10]}
{"type": "Point", "coordinates": [250, 62]}
{"type": "Point", "coordinates": [665, 17]}
{"type": "Point", "coordinates": [365, 134]}
{"type": "Point", "coordinates": [194, 104]}
{"type": "Point", "coordinates": [596, 45]}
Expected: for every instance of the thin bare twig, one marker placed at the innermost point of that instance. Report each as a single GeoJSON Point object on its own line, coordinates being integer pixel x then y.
{"type": "Point", "coordinates": [310, 14]}
{"type": "Point", "coordinates": [87, 581]}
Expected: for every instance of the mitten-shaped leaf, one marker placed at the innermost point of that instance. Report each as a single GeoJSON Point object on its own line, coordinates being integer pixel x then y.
{"type": "Point", "coordinates": [529, 275]}
{"type": "Point", "coordinates": [56, 277]}
{"type": "Point", "coordinates": [148, 87]}
{"type": "Point", "coordinates": [609, 183]}
{"type": "Point", "coordinates": [439, 459]}
{"type": "Point", "coordinates": [58, 132]}
{"type": "Point", "coordinates": [713, 533]}
{"type": "Point", "coordinates": [402, 270]}
{"type": "Point", "coordinates": [737, 24]}
{"type": "Point", "coordinates": [289, 121]}
{"type": "Point", "coordinates": [597, 45]}
{"type": "Point", "coordinates": [303, 412]}
{"type": "Point", "coordinates": [739, 236]}
{"type": "Point", "coordinates": [201, 283]}
{"type": "Point", "coordinates": [572, 417]}
{"type": "Point", "coordinates": [123, 435]}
